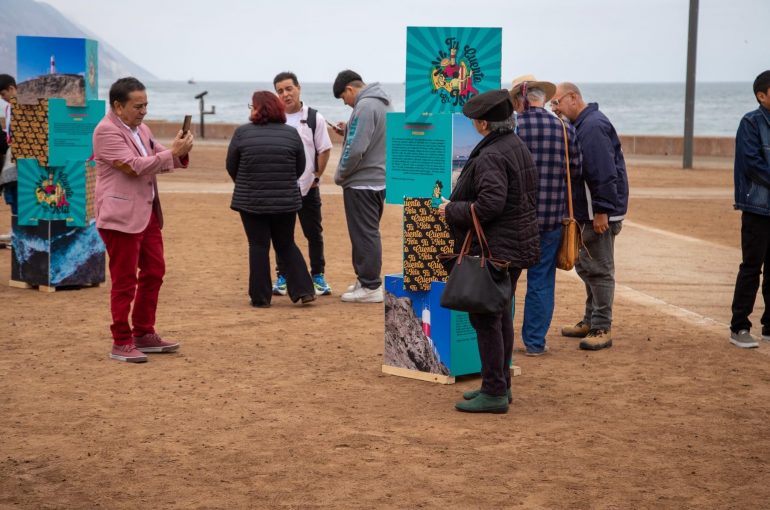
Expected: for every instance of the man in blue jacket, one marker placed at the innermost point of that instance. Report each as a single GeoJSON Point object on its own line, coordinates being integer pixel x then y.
{"type": "Point", "coordinates": [752, 198]}
{"type": "Point", "coordinates": [600, 204]}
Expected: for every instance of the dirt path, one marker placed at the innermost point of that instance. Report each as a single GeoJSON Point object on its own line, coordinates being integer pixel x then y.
{"type": "Point", "coordinates": [287, 407]}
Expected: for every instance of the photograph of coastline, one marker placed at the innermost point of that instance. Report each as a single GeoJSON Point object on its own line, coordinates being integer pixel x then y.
{"type": "Point", "coordinates": [464, 139]}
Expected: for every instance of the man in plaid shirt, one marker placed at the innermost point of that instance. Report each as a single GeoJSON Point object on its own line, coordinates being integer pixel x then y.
{"type": "Point", "coordinates": [543, 134]}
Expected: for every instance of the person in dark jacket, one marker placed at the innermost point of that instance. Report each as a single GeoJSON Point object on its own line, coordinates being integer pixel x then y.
{"type": "Point", "coordinates": [600, 205]}
{"type": "Point", "coordinates": [751, 175]}
{"type": "Point", "coordinates": [500, 181]}
{"type": "Point", "coordinates": [265, 158]}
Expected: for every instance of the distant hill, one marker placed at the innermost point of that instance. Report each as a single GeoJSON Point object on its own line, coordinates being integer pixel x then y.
{"type": "Point", "coordinates": [27, 17]}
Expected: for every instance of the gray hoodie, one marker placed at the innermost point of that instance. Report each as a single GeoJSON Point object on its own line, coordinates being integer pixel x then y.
{"type": "Point", "coordinates": [363, 154]}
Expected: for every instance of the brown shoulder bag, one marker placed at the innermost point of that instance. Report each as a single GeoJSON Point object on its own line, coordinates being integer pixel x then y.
{"type": "Point", "coordinates": [569, 247]}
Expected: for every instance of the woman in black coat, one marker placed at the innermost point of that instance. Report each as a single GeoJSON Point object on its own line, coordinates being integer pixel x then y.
{"type": "Point", "coordinates": [264, 159]}
{"type": "Point", "coordinates": [500, 180]}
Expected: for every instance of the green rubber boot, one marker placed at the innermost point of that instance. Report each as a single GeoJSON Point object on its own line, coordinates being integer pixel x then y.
{"type": "Point", "coordinates": [483, 403]}
{"type": "Point", "coordinates": [470, 395]}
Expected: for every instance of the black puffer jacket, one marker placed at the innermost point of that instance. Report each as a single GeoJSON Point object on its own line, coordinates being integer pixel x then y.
{"type": "Point", "coordinates": [264, 162]}
{"type": "Point", "coordinates": [500, 180]}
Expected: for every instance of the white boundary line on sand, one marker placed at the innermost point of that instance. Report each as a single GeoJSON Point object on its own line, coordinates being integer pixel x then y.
{"type": "Point", "coordinates": [672, 310]}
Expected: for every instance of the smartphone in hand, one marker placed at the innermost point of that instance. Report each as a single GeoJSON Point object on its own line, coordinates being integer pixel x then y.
{"type": "Point", "coordinates": [335, 127]}
{"type": "Point", "coordinates": [186, 124]}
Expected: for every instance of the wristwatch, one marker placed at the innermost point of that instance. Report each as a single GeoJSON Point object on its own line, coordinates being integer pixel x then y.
{"type": "Point", "coordinates": [316, 180]}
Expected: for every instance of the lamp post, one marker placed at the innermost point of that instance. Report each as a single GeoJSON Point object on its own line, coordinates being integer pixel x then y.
{"type": "Point", "coordinates": [203, 111]}
{"type": "Point", "coordinates": [689, 94]}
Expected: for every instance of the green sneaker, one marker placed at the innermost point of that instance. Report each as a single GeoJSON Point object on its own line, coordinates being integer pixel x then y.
{"type": "Point", "coordinates": [483, 403]}
{"type": "Point", "coordinates": [470, 395]}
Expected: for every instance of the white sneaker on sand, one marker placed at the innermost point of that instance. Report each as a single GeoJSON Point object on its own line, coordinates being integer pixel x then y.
{"type": "Point", "coordinates": [364, 295]}
{"type": "Point", "coordinates": [353, 286]}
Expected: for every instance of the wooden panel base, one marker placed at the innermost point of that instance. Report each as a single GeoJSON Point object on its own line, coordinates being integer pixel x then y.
{"type": "Point", "coordinates": [416, 374]}
{"type": "Point", "coordinates": [435, 378]}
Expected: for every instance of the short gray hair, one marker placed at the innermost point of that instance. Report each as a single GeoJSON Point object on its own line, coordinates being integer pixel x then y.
{"type": "Point", "coordinates": [501, 125]}
{"type": "Point", "coordinates": [533, 94]}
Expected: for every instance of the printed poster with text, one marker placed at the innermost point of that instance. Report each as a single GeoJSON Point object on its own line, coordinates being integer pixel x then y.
{"type": "Point", "coordinates": [426, 236]}
{"type": "Point", "coordinates": [419, 158]}
{"type": "Point", "coordinates": [446, 66]}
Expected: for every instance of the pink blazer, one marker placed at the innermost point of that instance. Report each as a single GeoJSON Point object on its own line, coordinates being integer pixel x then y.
{"type": "Point", "coordinates": [125, 180]}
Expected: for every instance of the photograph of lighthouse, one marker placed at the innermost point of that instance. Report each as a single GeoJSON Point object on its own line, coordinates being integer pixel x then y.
{"type": "Point", "coordinates": [58, 67]}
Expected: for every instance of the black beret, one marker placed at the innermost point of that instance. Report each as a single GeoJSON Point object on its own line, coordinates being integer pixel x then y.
{"type": "Point", "coordinates": [342, 81]}
{"type": "Point", "coordinates": [494, 105]}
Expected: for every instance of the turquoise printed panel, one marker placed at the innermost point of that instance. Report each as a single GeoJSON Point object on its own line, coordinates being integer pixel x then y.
{"type": "Point", "coordinates": [71, 129]}
{"type": "Point", "coordinates": [446, 66]}
{"type": "Point", "coordinates": [52, 193]}
{"type": "Point", "coordinates": [419, 158]}
{"type": "Point", "coordinates": [92, 70]}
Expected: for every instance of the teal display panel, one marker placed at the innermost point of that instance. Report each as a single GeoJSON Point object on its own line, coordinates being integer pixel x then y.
{"type": "Point", "coordinates": [446, 66]}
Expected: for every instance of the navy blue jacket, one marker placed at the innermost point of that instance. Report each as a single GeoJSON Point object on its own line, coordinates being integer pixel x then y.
{"type": "Point", "coordinates": [605, 182]}
{"type": "Point", "coordinates": [752, 163]}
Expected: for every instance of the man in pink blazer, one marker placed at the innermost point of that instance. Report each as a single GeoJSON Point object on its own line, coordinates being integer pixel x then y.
{"type": "Point", "coordinates": [129, 217]}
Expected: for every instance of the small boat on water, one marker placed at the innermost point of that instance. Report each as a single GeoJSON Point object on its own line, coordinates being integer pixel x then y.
{"type": "Point", "coordinates": [191, 81]}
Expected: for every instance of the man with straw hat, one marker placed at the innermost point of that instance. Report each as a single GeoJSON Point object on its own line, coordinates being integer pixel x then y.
{"type": "Point", "coordinates": [544, 135]}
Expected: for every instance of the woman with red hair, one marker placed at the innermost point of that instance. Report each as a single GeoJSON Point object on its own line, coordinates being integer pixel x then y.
{"type": "Point", "coordinates": [264, 159]}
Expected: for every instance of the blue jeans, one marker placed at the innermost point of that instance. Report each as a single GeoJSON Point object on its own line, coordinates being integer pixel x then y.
{"type": "Point", "coordinates": [538, 304]}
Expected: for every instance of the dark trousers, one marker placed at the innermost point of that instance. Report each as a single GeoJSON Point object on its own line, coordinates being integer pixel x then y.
{"type": "Point", "coordinates": [310, 220]}
{"type": "Point", "coordinates": [129, 252]}
{"type": "Point", "coordinates": [363, 211]}
{"type": "Point", "coordinates": [495, 338]}
{"type": "Point", "coordinates": [755, 245]}
{"type": "Point", "coordinates": [261, 229]}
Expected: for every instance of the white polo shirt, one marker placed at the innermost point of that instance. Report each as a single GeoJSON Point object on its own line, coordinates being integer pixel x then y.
{"type": "Point", "coordinates": [319, 144]}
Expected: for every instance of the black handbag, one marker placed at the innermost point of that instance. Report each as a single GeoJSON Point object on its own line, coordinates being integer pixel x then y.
{"type": "Point", "coordinates": [476, 284]}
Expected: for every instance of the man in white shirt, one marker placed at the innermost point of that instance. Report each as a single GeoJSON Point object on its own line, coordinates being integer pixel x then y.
{"type": "Point", "coordinates": [311, 127]}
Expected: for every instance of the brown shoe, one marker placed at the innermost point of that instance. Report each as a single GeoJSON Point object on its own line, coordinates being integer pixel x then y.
{"type": "Point", "coordinates": [596, 339]}
{"type": "Point", "coordinates": [579, 330]}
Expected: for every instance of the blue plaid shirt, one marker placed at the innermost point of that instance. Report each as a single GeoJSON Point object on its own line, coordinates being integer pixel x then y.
{"type": "Point", "coordinates": [542, 133]}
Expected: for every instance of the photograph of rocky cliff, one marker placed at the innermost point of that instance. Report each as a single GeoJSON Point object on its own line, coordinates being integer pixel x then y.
{"type": "Point", "coordinates": [406, 345]}
{"type": "Point", "coordinates": [70, 87]}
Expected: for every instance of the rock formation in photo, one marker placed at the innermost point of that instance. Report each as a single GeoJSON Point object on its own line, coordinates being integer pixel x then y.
{"type": "Point", "coordinates": [406, 346]}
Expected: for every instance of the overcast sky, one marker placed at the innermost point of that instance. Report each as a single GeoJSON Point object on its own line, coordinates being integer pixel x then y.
{"type": "Point", "coordinates": [557, 40]}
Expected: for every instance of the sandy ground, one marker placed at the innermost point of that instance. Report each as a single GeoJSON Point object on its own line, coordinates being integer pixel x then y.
{"type": "Point", "coordinates": [287, 407]}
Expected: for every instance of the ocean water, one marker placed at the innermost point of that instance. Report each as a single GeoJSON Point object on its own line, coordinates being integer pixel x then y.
{"type": "Point", "coordinates": [634, 108]}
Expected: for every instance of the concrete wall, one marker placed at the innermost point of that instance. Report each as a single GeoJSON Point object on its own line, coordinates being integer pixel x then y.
{"type": "Point", "coordinates": [712, 146]}
{"type": "Point", "coordinates": [650, 145]}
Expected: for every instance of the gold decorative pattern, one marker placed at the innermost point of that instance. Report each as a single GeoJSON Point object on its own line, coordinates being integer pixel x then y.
{"type": "Point", "coordinates": [29, 128]}
{"type": "Point", "coordinates": [90, 188]}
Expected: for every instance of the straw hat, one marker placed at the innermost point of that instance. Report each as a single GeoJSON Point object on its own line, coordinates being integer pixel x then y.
{"type": "Point", "coordinates": [532, 82]}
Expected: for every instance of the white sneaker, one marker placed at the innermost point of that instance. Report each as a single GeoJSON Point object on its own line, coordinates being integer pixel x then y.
{"type": "Point", "coordinates": [364, 295]}
{"type": "Point", "coordinates": [354, 286]}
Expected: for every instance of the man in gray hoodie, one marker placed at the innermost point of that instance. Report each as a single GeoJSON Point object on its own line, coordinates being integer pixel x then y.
{"type": "Point", "coordinates": [361, 173]}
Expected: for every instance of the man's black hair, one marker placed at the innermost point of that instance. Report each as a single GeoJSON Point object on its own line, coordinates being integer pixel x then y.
{"type": "Point", "coordinates": [286, 75]}
{"type": "Point", "coordinates": [6, 81]}
{"type": "Point", "coordinates": [122, 88]}
{"type": "Point", "coordinates": [761, 84]}
{"type": "Point", "coordinates": [345, 78]}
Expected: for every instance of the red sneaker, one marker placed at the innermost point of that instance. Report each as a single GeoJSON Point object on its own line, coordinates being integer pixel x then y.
{"type": "Point", "coordinates": [153, 343]}
{"type": "Point", "coordinates": [127, 353]}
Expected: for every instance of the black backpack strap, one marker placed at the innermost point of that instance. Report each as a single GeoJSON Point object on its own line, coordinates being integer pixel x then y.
{"type": "Point", "coordinates": [312, 120]}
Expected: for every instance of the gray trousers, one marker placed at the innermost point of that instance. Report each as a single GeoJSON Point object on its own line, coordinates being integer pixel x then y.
{"type": "Point", "coordinates": [596, 267]}
{"type": "Point", "coordinates": [363, 210]}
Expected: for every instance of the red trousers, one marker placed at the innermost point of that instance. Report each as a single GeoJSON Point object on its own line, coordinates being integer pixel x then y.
{"type": "Point", "coordinates": [129, 253]}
